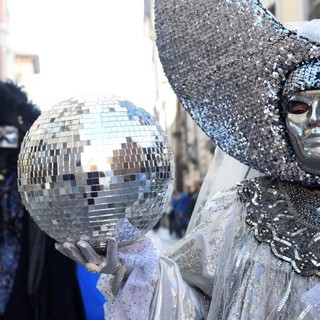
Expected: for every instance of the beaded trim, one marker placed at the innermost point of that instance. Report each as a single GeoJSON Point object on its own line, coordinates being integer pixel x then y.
{"type": "Point", "coordinates": [286, 216]}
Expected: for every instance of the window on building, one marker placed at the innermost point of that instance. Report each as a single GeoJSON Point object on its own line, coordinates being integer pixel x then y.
{"type": "Point", "coordinates": [314, 9]}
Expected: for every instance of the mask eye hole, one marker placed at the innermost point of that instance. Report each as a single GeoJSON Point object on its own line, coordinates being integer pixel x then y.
{"type": "Point", "coordinates": [298, 107]}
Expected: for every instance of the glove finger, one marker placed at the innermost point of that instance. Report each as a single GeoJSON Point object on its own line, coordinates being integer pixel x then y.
{"type": "Point", "coordinates": [88, 252]}
{"type": "Point", "coordinates": [112, 251]}
{"type": "Point", "coordinates": [118, 279]}
{"type": "Point", "coordinates": [63, 250]}
{"type": "Point", "coordinates": [59, 247]}
{"type": "Point", "coordinates": [72, 251]}
{"type": "Point", "coordinates": [112, 263]}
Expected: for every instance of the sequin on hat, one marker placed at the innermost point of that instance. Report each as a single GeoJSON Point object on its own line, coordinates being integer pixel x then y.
{"type": "Point", "coordinates": [227, 62]}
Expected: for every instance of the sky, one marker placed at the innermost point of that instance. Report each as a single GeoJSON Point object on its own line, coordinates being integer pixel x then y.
{"type": "Point", "coordinates": [85, 46]}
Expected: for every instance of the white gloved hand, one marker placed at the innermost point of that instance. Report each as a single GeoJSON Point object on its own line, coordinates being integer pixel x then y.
{"type": "Point", "coordinates": [140, 256]}
{"type": "Point", "coordinates": [83, 253]}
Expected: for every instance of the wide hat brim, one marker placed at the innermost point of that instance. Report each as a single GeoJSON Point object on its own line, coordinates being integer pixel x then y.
{"type": "Point", "coordinates": [227, 61]}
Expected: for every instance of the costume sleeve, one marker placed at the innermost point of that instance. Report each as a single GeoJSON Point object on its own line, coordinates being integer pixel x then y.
{"type": "Point", "coordinates": [188, 271]}
{"type": "Point", "coordinates": [174, 298]}
{"type": "Point", "coordinates": [178, 284]}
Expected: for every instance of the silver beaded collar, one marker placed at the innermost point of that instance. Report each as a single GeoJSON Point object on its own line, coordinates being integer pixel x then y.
{"type": "Point", "coordinates": [287, 217]}
{"type": "Point", "coordinates": [227, 61]}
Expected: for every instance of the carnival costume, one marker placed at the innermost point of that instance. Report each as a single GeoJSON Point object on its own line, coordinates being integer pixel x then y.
{"type": "Point", "coordinates": [251, 251]}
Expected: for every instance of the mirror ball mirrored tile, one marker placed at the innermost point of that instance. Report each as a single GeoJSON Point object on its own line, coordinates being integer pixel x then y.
{"type": "Point", "coordinates": [93, 167]}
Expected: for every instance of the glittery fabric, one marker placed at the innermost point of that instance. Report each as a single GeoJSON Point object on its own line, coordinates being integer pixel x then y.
{"type": "Point", "coordinates": [134, 297]}
{"type": "Point", "coordinates": [305, 77]}
{"type": "Point", "coordinates": [227, 62]}
{"type": "Point", "coordinates": [93, 167]}
{"type": "Point", "coordinates": [150, 278]}
{"type": "Point", "coordinates": [222, 270]}
{"type": "Point", "coordinates": [286, 216]}
{"type": "Point", "coordinates": [240, 277]}
{"type": "Point", "coordinates": [10, 232]}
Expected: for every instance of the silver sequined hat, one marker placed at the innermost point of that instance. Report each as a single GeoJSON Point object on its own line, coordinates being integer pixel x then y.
{"type": "Point", "coordinates": [305, 77]}
{"type": "Point", "coordinates": [227, 61]}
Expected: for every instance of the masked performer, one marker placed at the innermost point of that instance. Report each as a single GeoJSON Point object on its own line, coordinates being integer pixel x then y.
{"type": "Point", "coordinates": [36, 282]}
{"type": "Point", "coordinates": [252, 251]}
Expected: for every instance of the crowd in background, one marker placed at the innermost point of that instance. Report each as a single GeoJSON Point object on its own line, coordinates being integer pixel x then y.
{"type": "Point", "coordinates": [180, 210]}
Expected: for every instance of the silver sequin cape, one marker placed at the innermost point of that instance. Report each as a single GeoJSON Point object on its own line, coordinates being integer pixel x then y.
{"type": "Point", "coordinates": [227, 61]}
{"type": "Point", "coordinates": [285, 216]}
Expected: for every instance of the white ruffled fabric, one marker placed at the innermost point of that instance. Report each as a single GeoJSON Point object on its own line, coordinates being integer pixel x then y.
{"type": "Point", "coordinates": [135, 296]}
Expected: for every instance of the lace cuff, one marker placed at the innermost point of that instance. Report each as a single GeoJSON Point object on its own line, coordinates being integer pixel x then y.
{"type": "Point", "coordinates": [135, 295]}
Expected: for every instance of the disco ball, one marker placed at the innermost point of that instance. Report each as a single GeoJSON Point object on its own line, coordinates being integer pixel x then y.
{"type": "Point", "coordinates": [94, 167]}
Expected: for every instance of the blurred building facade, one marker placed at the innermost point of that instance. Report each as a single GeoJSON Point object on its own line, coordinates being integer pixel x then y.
{"type": "Point", "coordinates": [16, 66]}
{"type": "Point", "coordinates": [6, 54]}
{"type": "Point", "coordinates": [293, 10]}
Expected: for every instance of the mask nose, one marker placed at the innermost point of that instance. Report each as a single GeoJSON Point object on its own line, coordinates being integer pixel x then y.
{"type": "Point", "coordinates": [314, 119]}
